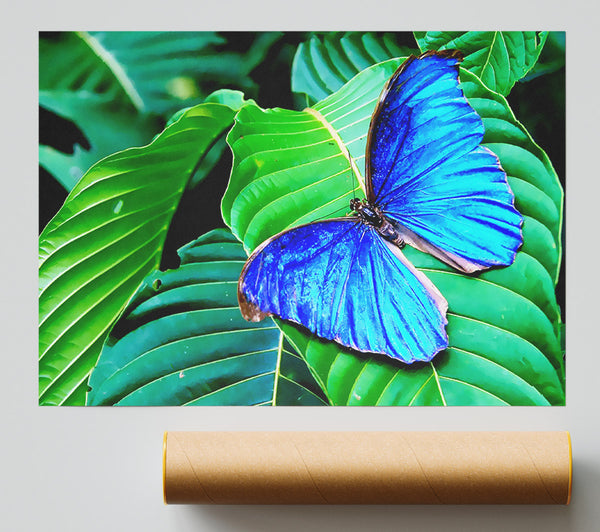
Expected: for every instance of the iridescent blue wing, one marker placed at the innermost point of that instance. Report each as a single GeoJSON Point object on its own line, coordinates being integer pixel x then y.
{"type": "Point", "coordinates": [428, 173]}
{"type": "Point", "coordinates": [341, 280]}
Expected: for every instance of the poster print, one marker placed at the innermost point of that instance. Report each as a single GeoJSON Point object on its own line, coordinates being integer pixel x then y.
{"type": "Point", "coordinates": [404, 228]}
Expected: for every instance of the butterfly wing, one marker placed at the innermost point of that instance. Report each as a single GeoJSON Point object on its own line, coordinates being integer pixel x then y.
{"type": "Point", "coordinates": [340, 279]}
{"type": "Point", "coordinates": [426, 170]}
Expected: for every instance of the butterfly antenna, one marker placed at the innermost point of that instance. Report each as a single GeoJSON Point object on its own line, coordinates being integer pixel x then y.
{"type": "Point", "coordinates": [328, 215]}
{"type": "Point", "coordinates": [354, 182]}
{"type": "Point", "coordinates": [354, 185]}
{"type": "Point", "coordinates": [335, 212]}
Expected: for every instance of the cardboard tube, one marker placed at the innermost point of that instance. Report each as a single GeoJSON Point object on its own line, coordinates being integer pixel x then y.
{"type": "Point", "coordinates": [367, 467]}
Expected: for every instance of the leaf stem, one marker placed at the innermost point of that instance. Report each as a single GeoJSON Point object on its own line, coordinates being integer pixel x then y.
{"type": "Point", "coordinates": [437, 381]}
{"type": "Point", "coordinates": [277, 368]}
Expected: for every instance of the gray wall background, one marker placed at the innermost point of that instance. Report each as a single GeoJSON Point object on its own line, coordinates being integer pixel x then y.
{"type": "Point", "coordinates": [67, 469]}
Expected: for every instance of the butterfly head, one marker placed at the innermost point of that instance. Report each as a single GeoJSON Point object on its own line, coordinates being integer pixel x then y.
{"type": "Point", "coordinates": [368, 213]}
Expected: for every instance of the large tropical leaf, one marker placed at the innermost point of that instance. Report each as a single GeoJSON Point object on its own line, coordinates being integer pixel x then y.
{"type": "Point", "coordinates": [294, 167]}
{"type": "Point", "coordinates": [105, 239]}
{"type": "Point", "coordinates": [552, 57]}
{"type": "Point", "coordinates": [498, 58]}
{"type": "Point", "coordinates": [182, 340]}
{"type": "Point", "coordinates": [324, 63]}
{"type": "Point", "coordinates": [107, 125]}
{"type": "Point", "coordinates": [156, 72]}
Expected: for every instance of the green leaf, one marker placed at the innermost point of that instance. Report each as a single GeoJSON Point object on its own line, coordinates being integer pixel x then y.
{"type": "Point", "coordinates": [108, 126]}
{"type": "Point", "coordinates": [490, 366]}
{"type": "Point", "coordinates": [552, 57]}
{"type": "Point", "coordinates": [498, 58]}
{"type": "Point", "coordinates": [294, 167]}
{"type": "Point", "coordinates": [68, 64]}
{"type": "Point", "coordinates": [233, 99]}
{"type": "Point", "coordinates": [157, 72]}
{"type": "Point", "coordinates": [182, 341]}
{"type": "Point", "coordinates": [105, 239]}
{"type": "Point", "coordinates": [324, 63]}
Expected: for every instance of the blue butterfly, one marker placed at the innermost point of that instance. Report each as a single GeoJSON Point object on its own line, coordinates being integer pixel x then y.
{"type": "Point", "coordinates": [429, 184]}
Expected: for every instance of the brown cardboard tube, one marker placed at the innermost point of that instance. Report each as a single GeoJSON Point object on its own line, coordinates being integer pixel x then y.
{"type": "Point", "coordinates": [367, 467]}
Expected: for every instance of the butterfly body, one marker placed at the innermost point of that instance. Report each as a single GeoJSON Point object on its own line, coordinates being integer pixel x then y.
{"type": "Point", "coordinates": [430, 184]}
{"type": "Point", "coordinates": [372, 215]}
